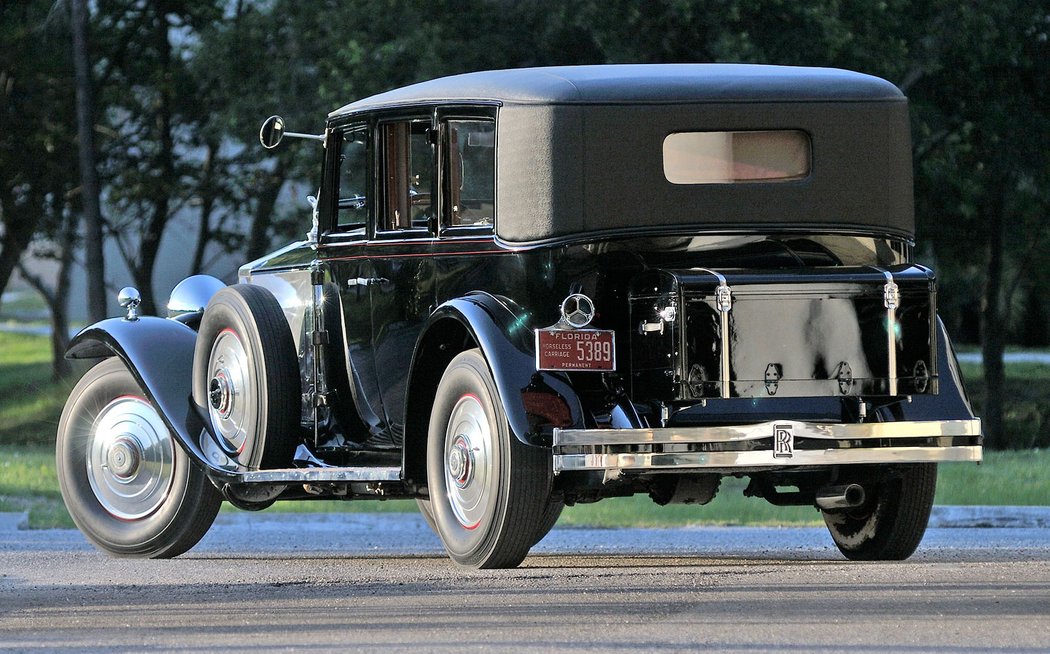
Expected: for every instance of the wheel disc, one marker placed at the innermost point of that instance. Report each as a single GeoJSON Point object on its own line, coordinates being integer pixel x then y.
{"type": "Point", "coordinates": [468, 458]}
{"type": "Point", "coordinates": [230, 406]}
{"type": "Point", "coordinates": [130, 458]}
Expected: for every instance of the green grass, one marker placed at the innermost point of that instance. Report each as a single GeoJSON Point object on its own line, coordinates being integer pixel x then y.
{"type": "Point", "coordinates": [30, 402]}
{"type": "Point", "coordinates": [1004, 479]}
{"type": "Point", "coordinates": [22, 304]}
{"type": "Point", "coordinates": [30, 405]}
{"type": "Point", "coordinates": [28, 484]}
{"type": "Point", "coordinates": [729, 507]}
{"type": "Point", "coordinates": [1027, 408]}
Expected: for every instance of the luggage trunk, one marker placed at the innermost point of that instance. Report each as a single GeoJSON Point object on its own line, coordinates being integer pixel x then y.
{"type": "Point", "coordinates": [700, 334]}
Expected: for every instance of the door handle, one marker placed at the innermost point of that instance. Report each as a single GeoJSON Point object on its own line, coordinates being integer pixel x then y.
{"type": "Point", "coordinates": [366, 281]}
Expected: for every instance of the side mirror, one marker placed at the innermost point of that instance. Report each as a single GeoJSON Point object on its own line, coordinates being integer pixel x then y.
{"type": "Point", "coordinates": [272, 132]}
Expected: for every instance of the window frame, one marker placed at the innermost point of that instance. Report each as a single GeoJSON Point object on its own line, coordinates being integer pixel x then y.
{"type": "Point", "coordinates": [379, 163]}
{"type": "Point", "coordinates": [465, 112]}
{"type": "Point", "coordinates": [727, 181]}
{"type": "Point", "coordinates": [370, 195]}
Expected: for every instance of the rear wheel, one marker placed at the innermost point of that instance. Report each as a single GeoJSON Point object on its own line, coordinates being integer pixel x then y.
{"type": "Point", "coordinates": [488, 491]}
{"type": "Point", "coordinates": [128, 487]}
{"type": "Point", "coordinates": [891, 524]}
{"type": "Point", "coordinates": [547, 520]}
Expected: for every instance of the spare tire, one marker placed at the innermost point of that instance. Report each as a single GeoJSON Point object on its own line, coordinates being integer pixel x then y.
{"type": "Point", "coordinates": [246, 375]}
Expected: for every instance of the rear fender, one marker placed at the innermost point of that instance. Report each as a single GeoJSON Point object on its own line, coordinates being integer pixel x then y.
{"type": "Point", "coordinates": [950, 402]}
{"type": "Point", "coordinates": [534, 402]}
{"type": "Point", "coordinates": [159, 354]}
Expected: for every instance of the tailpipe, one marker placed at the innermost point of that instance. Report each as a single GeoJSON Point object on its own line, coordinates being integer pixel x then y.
{"type": "Point", "coordinates": [840, 497]}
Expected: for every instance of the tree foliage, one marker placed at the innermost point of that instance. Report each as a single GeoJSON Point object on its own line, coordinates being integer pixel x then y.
{"type": "Point", "coordinates": [36, 110]}
{"type": "Point", "coordinates": [184, 84]}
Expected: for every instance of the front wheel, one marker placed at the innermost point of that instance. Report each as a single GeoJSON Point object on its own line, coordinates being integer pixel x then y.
{"type": "Point", "coordinates": [128, 487]}
{"type": "Point", "coordinates": [488, 491]}
{"type": "Point", "coordinates": [891, 524]}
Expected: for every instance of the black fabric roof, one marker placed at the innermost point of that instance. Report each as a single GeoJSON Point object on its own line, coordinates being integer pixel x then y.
{"type": "Point", "coordinates": [641, 83]}
{"type": "Point", "coordinates": [580, 148]}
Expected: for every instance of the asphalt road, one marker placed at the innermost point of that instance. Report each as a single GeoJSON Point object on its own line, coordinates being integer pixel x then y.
{"type": "Point", "coordinates": [378, 583]}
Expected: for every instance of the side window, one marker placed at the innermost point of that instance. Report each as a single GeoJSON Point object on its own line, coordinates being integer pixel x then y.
{"type": "Point", "coordinates": [471, 165]}
{"type": "Point", "coordinates": [408, 172]}
{"type": "Point", "coordinates": [353, 178]}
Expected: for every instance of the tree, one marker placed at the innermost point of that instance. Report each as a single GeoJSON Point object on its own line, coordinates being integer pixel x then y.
{"type": "Point", "coordinates": [58, 246]}
{"type": "Point", "coordinates": [982, 163]}
{"type": "Point", "coordinates": [89, 186]}
{"type": "Point", "coordinates": [35, 89]}
{"type": "Point", "coordinates": [150, 102]}
{"type": "Point", "coordinates": [303, 59]}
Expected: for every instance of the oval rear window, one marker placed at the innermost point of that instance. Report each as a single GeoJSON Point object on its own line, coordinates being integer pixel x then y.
{"type": "Point", "coordinates": [732, 157]}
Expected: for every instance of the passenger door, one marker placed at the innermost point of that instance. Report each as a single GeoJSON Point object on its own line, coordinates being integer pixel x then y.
{"type": "Point", "coordinates": [345, 252]}
{"type": "Point", "coordinates": [400, 254]}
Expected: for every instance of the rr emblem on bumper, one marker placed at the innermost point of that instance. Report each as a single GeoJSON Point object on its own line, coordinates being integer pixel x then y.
{"type": "Point", "coordinates": [783, 441]}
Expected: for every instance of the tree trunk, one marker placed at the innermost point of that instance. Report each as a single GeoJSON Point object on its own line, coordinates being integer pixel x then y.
{"type": "Point", "coordinates": [993, 329]}
{"type": "Point", "coordinates": [149, 244]}
{"type": "Point", "coordinates": [20, 224]}
{"type": "Point", "coordinates": [258, 238]}
{"type": "Point", "coordinates": [207, 195]}
{"type": "Point", "coordinates": [17, 234]}
{"type": "Point", "coordinates": [94, 262]}
{"type": "Point", "coordinates": [57, 298]}
{"type": "Point", "coordinates": [59, 307]}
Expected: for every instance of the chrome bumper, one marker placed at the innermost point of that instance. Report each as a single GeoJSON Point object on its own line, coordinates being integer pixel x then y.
{"type": "Point", "coordinates": [767, 445]}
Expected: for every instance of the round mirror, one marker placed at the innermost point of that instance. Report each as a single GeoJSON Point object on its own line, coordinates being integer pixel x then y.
{"type": "Point", "coordinates": [272, 132]}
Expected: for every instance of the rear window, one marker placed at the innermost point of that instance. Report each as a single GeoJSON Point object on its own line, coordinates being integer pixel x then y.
{"type": "Point", "coordinates": [732, 157]}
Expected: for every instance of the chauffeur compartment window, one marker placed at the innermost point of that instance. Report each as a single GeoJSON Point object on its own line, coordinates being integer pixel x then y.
{"type": "Point", "coordinates": [353, 178]}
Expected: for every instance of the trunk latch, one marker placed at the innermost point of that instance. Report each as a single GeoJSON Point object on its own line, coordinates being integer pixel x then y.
{"type": "Point", "coordinates": [774, 372]}
{"type": "Point", "coordinates": [845, 377]}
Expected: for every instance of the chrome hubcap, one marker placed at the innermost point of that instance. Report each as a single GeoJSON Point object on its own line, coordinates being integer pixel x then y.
{"type": "Point", "coordinates": [220, 394]}
{"type": "Point", "coordinates": [124, 457]}
{"type": "Point", "coordinates": [468, 461]}
{"type": "Point", "coordinates": [461, 462]}
{"type": "Point", "coordinates": [229, 405]}
{"type": "Point", "coordinates": [130, 458]}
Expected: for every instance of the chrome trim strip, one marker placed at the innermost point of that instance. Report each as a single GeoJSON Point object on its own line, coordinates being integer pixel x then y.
{"type": "Point", "coordinates": [762, 458]}
{"type": "Point", "coordinates": [314, 475]}
{"type": "Point", "coordinates": [735, 433]}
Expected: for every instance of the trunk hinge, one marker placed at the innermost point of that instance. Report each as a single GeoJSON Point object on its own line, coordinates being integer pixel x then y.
{"type": "Point", "coordinates": [724, 304]}
{"type": "Point", "coordinates": [891, 299]}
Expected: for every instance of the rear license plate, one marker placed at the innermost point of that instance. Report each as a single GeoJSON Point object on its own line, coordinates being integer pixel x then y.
{"type": "Point", "coordinates": [575, 349]}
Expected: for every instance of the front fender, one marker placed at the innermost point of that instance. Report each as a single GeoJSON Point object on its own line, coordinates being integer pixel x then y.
{"type": "Point", "coordinates": [534, 401]}
{"type": "Point", "coordinates": [159, 354]}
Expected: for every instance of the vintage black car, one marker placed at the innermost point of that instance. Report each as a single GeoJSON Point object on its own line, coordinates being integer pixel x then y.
{"type": "Point", "coordinates": [530, 288]}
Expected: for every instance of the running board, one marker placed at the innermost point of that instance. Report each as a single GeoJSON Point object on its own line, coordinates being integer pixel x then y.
{"type": "Point", "coordinates": [222, 468]}
{"type": "Point", "coordinates": [314, 475]}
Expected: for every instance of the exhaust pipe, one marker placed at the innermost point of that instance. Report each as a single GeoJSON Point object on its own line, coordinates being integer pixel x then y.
{"type": "Point", "coordinates": [840, 497]}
